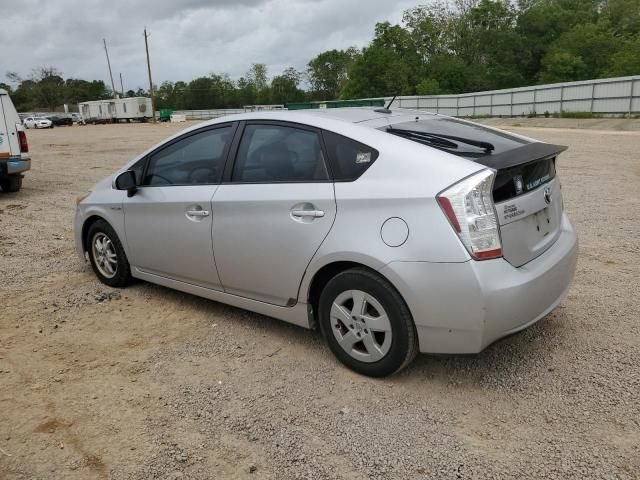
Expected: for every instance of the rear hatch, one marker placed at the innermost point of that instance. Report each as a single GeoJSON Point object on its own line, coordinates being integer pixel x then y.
{"type": "Point", "coordinates": [526, 190]}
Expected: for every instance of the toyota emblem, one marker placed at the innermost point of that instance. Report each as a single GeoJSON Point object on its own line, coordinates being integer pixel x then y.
{"type": "Point", "coordinates": [547, 195]}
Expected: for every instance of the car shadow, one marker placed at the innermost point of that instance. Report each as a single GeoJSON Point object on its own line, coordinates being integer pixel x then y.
{"type": "Point", "coordinates": [516, 359]}
{"type": "Point", "coordinates": [518, 356]}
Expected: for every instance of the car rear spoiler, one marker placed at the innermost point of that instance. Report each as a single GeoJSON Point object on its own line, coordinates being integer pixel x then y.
{"type": "Point", "coordinates": [518, 156]}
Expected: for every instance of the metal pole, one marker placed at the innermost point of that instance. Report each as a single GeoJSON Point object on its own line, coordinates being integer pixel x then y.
{"type": "Point", "coordinates": [561, 99]}
{"type": "Point", "coordinates": [121, 85]}
{"type": "Point", "coordinates": [631, 97]}
{"type": "Point", "coordinates": [113, 87]}
{"type": "Point", "coordinates": [593, 91]}
{"type": "Point", "coordinates": [153, 103]}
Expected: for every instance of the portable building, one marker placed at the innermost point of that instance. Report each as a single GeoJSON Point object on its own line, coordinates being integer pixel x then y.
{"type": "Point", "coordinates": [134, 108]}
{"type": "Point", "coordinates": [114, 110]}
{"type": "Point", "coordinates": [97, 111]}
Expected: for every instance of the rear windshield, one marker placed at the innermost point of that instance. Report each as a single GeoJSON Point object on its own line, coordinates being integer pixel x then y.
{"type": "Point", "coordinates": [437, 125]}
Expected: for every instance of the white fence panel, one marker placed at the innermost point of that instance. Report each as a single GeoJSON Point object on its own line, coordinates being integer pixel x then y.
{"type": "Point", "coordinates": [615, 96]}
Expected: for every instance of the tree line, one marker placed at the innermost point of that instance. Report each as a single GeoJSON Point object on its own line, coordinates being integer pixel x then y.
{"type": "Point", "coordinates": [450, 46]}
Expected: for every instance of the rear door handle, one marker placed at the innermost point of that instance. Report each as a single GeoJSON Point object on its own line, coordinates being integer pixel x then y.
{"type": "Point", "coordinates": [308, 213]}
{"type": "Point", "coordinates": [198, 213]}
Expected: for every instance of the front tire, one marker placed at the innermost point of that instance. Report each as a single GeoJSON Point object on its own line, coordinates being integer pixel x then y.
{"type": "Point", "coordinates": [13, 183]}
{"type": "Point", "coordinates": [107, 256]}
{"type": "Point", "coordinates": [366, 323]}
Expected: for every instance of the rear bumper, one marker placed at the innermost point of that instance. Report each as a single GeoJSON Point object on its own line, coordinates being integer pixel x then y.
{"type": "Point", "coordinates": [464, 307]}
{"type": "Point", "coordinates": [13, 165]}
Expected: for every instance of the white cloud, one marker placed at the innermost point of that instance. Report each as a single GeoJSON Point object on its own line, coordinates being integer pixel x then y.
{"type": "Point", "coordinates": [189, 38]}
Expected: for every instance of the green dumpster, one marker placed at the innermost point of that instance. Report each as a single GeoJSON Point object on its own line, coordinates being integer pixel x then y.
{"type": "Point", "coordinates": [165, 114]}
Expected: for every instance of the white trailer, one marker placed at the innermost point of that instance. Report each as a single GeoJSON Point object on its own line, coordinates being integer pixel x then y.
{"type": "Point", "coordinates": [98, 111]}
{"type": "Point", "coordinates": [134, 108]}
{"type": "Point", "coordinates": [117, 109]}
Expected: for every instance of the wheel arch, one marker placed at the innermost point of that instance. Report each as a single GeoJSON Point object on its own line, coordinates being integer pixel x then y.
{"type": "Point", "coordinates": [85, 228]}
{"type": "Point", "coordinates": [324, 274]}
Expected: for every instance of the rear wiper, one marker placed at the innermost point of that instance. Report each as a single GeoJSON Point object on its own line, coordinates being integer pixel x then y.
{"type": "Point", "coordinates": [439, 139]}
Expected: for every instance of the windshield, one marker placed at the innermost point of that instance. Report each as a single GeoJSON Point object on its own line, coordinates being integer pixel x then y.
{"type": "Point", "coordinates": [450, 128]}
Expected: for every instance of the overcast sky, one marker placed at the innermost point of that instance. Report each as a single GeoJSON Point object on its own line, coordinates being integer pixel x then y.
{"type": "Point", "coordinates": [189, 38]}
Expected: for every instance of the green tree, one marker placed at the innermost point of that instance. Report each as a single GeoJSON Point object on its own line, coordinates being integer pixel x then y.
{"type": "Point", "coordinates": [257, 79]}
{"type": "Point", "coordinates": [431, 28]}
{"type": "Point", "coordinates": [428, 86]}
{"type": "Point", "coordinates": [626, 61]}
{"type": "Point", "coordinates": [452, 74]}
{"type": "Point", "coordinates": [562, 66]}
{"type": "Point", "coordinates": [76, 90]}
{"type": "Point", "coordinates": [623, 16]}
{"type": "Point", "coordinates": [390, 65]}
{"type": "Point", "coordinates": [328, 71]}
{"type": "Point", "coordinates": [591, 43]}
{"type": "Point", "coordinates": [49, 87]}
{"type": "Point", "coordinates": [284, 87]}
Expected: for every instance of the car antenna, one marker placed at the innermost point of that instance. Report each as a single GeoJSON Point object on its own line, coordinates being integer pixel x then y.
{"type": "Point", "coordinates": [386, 109]}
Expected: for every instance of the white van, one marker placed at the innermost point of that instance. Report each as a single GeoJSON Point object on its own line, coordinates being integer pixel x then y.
{"type": "Point", "coordinates": [14, 150]}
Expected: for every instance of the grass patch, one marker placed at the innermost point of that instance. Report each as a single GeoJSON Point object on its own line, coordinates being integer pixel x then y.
{"type": "Point", "coordinates": [576, 115]}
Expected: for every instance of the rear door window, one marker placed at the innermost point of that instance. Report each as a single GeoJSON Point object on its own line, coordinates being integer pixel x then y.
{"type": "Point", "coordinates": [277, 153]}
{"type": "Point", "coordinates": [348, 159]}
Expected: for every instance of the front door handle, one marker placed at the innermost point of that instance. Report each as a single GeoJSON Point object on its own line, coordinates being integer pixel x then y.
{"type": "Point", "coordinates": [198, 213]}
{"type": "Point", "coordinates": [308, 213]}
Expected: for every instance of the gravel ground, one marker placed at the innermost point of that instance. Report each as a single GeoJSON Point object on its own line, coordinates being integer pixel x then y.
{"type": "Point", "coordinates": [151, 383]}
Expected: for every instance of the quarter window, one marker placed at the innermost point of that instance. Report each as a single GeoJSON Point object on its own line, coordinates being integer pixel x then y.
{"type": "Point", "coordinates": [276, 153]}
{"type": "Point", "coordinates": [349, 159]}
{"type": "Point", "coordinates": [196, 159]}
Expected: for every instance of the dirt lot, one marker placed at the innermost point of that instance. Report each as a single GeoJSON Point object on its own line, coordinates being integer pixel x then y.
{"type": "Point", "coordinates": [151, 383]}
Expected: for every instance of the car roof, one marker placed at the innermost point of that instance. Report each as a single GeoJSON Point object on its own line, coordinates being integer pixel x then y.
{"type": "Point", "coordinates": [325, 118]}
{"type": "Point", "coordinates": [362, 114]}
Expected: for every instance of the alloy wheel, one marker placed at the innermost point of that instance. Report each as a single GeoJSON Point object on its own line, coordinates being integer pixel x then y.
{"type": "Point", "coordinates": [361, 326]}
{"type": "Point", "coordinates": [104, 255]}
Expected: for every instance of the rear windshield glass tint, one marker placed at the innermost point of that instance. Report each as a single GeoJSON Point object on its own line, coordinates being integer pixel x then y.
{"type": "Point", "coordinates": [450, 126]}
{"type": "Point", "coordinates": [518, 180]}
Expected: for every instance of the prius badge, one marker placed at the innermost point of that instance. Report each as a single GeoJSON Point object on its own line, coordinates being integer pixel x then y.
{"type": "Point", "coordinates": [547, 195]}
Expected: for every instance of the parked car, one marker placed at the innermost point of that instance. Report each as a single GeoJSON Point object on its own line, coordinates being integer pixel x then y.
{"type": "Point", "coordinates": [77, 118]}
{"type": "Point", "coordinates": [37, 122]}
{"type": "Point", "coordinates": [61, 120]}
{"type": "Point", "coordinates": [394, 232]}
{"type": "Point", "coordinates": [14, 149]}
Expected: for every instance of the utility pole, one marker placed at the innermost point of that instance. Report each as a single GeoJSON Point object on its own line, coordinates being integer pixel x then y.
{"type": "Point", "coordinates": [121, 85]}
{"type": "Point", "coordinates": [113, 87]}
{"type": "Point", "coordinates": [153, 103]}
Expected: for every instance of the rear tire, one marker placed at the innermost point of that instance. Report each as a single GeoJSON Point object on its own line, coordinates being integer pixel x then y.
{"type": "Point", "coordinates": [107, 256]}
{"type": "Point", "coordinates": [366, 323]}
{"type": "Point", "coordinates": [13, 183]}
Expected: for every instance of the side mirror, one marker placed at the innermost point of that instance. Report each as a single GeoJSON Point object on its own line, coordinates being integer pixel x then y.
{"type": "Point", "coordinates": [127, 181]}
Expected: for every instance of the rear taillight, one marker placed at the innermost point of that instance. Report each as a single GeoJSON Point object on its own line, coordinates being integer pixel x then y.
{"type": "Point", "coordinates": [24, 145]}
{"type": "Point", "coordinates": [469, 207]}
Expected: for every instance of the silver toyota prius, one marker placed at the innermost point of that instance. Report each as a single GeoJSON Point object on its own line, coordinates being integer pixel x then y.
{"type": "Point", "coordinates": [394, 232]}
